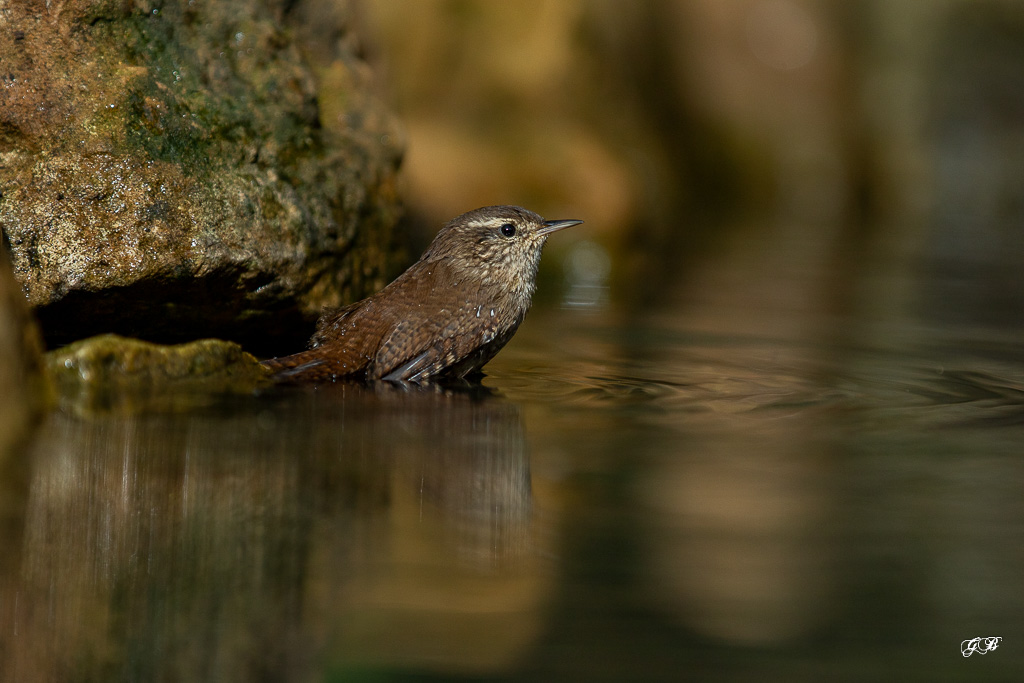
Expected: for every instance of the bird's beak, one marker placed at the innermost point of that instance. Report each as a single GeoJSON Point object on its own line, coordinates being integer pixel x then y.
{"type": "Point", "coordinates": [553, 226]}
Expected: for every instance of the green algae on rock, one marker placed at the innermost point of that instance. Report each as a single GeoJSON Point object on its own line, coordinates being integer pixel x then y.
{"type": "Point", "coordinates": [180, 170]}
{"type": "Point", "coordinates": [112, 374]}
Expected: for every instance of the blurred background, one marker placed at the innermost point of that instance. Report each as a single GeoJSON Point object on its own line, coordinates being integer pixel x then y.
{"type": "Point", "coordinates": [861, 134]}
{"type": "Point", "coordinates": [789, 359]}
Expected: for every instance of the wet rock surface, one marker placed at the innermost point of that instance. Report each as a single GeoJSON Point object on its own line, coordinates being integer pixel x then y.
{"type": "Point", "coordinates": [181, 170]}
{"type": "Point", "coordinates": [111, 374]}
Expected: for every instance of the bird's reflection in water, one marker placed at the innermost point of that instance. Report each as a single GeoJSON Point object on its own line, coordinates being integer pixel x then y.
{"type": "Point", "coordinates": [256, 537]}
{"type": "Point", "coordinates": [456, 456]}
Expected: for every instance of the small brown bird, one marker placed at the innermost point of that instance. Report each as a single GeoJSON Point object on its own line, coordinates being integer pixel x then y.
{"type": "Point", "coordinates": [446, 316]}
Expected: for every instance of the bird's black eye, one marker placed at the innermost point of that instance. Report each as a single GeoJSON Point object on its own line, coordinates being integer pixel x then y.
{"type": "Point", "coordinates": [508, 230]}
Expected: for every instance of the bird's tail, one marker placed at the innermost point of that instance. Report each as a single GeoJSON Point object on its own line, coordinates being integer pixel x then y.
{"type": "Point", "coordinates": [307, 366]}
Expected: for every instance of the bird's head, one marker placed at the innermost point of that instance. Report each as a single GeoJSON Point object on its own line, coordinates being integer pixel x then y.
{"type": "Point", "coordinates": [500, 245]}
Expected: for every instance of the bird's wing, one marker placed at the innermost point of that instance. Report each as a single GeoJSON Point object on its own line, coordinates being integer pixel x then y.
{"type": "Point", "coordinates": [418, 367]}
{"type": "Point", "coordinates": [418, 346]}
{"type": "Point", "coordinates": [431, 333]}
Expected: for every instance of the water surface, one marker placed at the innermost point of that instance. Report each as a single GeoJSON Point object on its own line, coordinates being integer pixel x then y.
{"type": "Point", "coordinates": [718, 487]}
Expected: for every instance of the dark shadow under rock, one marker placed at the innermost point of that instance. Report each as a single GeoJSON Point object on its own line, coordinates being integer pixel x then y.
{"type": "Point", "coordinates": [23, 390]}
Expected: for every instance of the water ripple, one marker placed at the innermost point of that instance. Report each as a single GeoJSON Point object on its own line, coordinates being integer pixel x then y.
{"type": "Point", "coordinates": [875, 388]}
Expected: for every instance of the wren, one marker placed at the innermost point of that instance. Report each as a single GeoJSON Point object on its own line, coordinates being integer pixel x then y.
{"type": "Point", "coordinates": [444, 317]}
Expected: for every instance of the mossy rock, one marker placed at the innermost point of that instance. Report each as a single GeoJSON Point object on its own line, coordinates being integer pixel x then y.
{"type": "Point", "coordinates": [112, 374]}
{"type": "Point", "coordinates": [181, 170]}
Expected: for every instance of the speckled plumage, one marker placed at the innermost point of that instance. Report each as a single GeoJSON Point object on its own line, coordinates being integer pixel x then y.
{"type": "Point", "coordinates": [447, 315]}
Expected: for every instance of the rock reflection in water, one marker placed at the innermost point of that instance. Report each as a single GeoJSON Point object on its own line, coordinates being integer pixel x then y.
{"type": "Point", "coordinates": [247, 542]}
